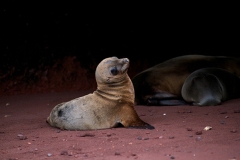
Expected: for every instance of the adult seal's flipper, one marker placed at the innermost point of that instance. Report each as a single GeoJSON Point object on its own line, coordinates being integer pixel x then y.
{"type": "Point", "coordinates": [165, 99]}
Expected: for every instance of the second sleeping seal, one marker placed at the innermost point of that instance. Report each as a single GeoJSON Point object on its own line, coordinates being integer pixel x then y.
{"type": "Point", "coordinates": [210, 86]}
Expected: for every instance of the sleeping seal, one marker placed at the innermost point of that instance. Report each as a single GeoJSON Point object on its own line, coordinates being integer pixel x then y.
{"type": "Point", "coordinates": [112, 103]}
{"type": "Point", "coordinates": [162, 83]}
{"type": "Point", "coordinates": [210, 86]}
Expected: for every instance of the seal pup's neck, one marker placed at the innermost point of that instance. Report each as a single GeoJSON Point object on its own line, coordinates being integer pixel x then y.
{"type": "Point", "coordinates": [117, 91]}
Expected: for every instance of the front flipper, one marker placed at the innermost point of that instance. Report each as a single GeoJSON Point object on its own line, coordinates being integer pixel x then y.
{"type": "Point", "coordinates": [130, 119]}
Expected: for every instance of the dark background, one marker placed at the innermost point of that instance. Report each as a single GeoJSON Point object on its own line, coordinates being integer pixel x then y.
{"type": "Point", "coordinates": [37, 33]}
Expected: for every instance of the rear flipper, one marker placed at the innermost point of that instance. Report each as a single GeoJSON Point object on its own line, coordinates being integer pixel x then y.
{"type": "Point", "coordinates": [145, 126]}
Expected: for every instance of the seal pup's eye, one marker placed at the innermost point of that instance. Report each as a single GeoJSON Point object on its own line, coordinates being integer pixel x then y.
{"type": "Point", "coordinates": [114, 70]}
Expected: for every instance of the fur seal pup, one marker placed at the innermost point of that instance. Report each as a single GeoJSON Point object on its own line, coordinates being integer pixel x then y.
{"type": "Point", "coordinates": [111, 104]}
{"type": "Point", "coordinates": [210, 86]}
{"type": "Point", "coordinates": [162, 83]}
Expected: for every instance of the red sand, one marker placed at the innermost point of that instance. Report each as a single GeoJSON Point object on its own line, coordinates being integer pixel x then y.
{"type": "Point", "coordinates": [178, 132]}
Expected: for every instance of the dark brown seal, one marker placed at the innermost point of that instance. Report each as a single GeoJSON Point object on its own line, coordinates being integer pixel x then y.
{"type": "Point", "coordinates": [162, 83]}
{"type": "Point", "coordinates": [111, 104]}
{"type": "Point", "coordinates": [210, 86]}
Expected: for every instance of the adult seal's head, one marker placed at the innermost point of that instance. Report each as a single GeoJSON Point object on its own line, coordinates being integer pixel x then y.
{"type": "Point", "coordinates": [108, 106]}
{"type": "Point", "coordinates": [210, 86]}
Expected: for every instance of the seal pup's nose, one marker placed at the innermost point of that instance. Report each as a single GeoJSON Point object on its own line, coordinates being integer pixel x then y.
{"type": "Point", "coordinates": [125, 60]}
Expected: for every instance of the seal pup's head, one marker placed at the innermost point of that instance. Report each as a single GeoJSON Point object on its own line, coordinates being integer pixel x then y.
{"type": "Point", "coordinates": [111, 70]}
